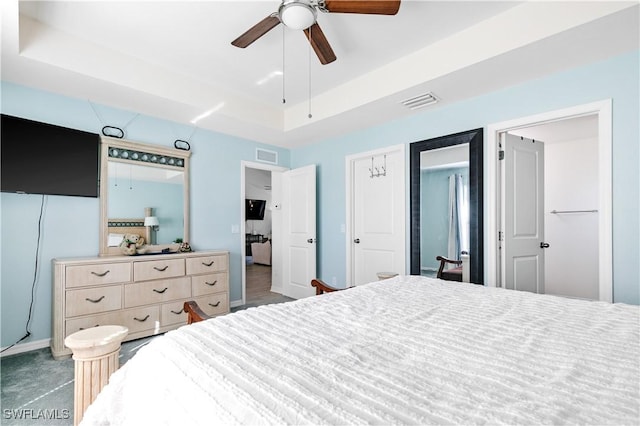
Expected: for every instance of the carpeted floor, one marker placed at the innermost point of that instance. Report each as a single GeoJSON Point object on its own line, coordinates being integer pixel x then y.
{"type": "Point", "coordinates": [37, 390]}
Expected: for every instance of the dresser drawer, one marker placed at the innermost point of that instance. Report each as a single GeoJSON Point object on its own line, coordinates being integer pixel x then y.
{"type": "Point", "coordinates": [215, 304]}
{"type": "Point", "coordinates": [96, 274]}
{"type": "Point", "coordinates": [172, 313]}
{"type": "Point", "coordinates": [77, 324]}
{"type": "Point", "coordinates": [210, 283]}
{"type": "Point", "coordinates": [146, 293]}
{"type": "Point", "coordinates": [154, 269]}
{"type": "Point", "coordinates": [93, 300]}
{"type": "Point", "coordinates": [138, 319]}
{"type": "Point", "coordinates": [206, 264]}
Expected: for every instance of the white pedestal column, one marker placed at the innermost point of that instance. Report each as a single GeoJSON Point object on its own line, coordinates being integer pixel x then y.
{"type": "Point", "coordinates": [95, 351]}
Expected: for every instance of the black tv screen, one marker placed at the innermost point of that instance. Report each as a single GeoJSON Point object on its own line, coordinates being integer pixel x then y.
{"type": "Point", "coordinates": [254, 209]}
{"type": "Point", "coordinates": [39, 158]}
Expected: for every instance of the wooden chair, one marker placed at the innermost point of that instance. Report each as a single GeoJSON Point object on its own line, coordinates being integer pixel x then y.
{"type": "Point", "coordinates": [454, 274]}
{"type": "Point", "coordinates": [196, 314]}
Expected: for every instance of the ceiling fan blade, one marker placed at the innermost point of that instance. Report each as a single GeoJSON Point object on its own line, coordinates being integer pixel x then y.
{"type": "Point", "coordinates": [257, 31]}
{"type": "Point", "coordinates": [372, 7]}
{"type": "Point", "coordinates": [320, 44]}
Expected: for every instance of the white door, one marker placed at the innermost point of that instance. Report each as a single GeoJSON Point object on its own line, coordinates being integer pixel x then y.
{"type": "Point", "coordinates": [523, 242]}
{"type": "Point", "coordinates": [299, 227]}
{"type": "Point", "coordinates": [378, 215]}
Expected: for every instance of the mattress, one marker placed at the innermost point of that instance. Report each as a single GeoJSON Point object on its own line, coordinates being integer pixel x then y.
{"type": "Point", "coordinates": [408, 350]}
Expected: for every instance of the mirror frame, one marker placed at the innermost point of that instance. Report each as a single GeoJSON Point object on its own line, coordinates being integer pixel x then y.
{"type": "Point", "coordinates": [475, 140]}
{"type": "Point", "coordinates": [109, 142]}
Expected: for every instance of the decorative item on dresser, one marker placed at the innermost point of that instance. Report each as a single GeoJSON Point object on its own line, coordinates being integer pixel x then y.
{"type": "Point", "coordinates": [144, 293]}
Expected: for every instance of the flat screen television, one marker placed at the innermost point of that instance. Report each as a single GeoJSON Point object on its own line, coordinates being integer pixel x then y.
{"type": "Point", "coordinates": [254, 209]}
{"type": "Point", "coordinates": [40, 158]}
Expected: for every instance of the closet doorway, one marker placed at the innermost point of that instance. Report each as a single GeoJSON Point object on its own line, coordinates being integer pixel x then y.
{"type": "Point", "coordinates": [572, 230]}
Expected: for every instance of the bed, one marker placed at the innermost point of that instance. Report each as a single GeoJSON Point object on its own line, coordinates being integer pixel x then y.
{"type": "Point", "coordinates": [408, 350]}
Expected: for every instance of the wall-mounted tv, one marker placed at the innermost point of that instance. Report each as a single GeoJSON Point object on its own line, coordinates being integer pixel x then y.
{"type": "Point", "coordinates": [40, 158]}
{"type": "Point", "coordinates": [254, 209]}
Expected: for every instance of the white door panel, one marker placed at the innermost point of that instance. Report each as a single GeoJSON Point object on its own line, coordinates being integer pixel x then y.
{"type": "Point", "coordinates": [298, 266]}
{"type": "Point", "coordinates": [378, 215]}
{"type": "Point", "coordinates": [525, 273]}
{"type": "Point", "coordinates": [384, 260]}
{"type": "Point", "coordinates": [299, 222]}
{"type": "Point", "coordinates": [523, 213]}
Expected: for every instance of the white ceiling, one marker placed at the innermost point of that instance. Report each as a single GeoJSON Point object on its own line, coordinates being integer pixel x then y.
{"type": "Point", "coordinates": [174, 60]}
{"type": "Point", "coordinates": [572, 129]}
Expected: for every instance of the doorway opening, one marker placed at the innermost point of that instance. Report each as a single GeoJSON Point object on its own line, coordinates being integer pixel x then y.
{"type": "Point", "coordinates": [259, 231]}
{"type": "Point", "coordinates": [258, 238]}
{"type": "Point", "coordinates": [577, 206]}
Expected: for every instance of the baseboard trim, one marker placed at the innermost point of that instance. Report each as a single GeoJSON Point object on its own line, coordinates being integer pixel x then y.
{"type": "Point", "coordinates": [235, 303]}
{"type": "Point", "coordinates": [26, 347]}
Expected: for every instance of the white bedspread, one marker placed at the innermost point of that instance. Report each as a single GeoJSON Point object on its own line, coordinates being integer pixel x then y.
{"type": "Point", "coordinates": [408, 350]}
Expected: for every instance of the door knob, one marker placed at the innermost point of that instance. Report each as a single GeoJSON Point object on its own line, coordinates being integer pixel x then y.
{"type": "Point", "coordinates": [311, 240]}
{"type": "Point", "coordinates": [357, 241]}
{"type": "Point", "coordinates": [544, 245]}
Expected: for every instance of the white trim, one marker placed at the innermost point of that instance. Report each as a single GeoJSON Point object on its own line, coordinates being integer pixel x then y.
{"type": "Point", "coordinates": [235, 303]}
{"type": "Point", "coordinates": [603, 110]}
{"type": "Point", "coordinates": [349, 181]}
{"type": "Point", "coordinates": [244, 165]}
{"type": "Point", "coordinates": [26, 347]}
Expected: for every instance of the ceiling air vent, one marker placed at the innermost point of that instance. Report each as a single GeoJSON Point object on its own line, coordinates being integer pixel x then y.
{"type": "Point", "coordinates": [266, 156]}
{"type": "Point", "coordinates": [420, 101]}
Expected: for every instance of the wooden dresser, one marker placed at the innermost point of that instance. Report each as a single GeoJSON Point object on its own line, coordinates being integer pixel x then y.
{"type": "Point", "coordinates": [143, 293]}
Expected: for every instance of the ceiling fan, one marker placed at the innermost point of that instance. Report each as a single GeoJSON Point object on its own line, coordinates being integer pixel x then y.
{"type": "Point", "coordinates": [302, 14]}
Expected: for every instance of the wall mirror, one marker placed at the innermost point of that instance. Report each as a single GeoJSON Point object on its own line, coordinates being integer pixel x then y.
{"type": "Point", "coordinates": [144, 190]}
{"type": "Point", "coordinates": [446, 202]}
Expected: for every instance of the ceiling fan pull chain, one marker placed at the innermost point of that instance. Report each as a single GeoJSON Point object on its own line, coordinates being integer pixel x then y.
{"type": "Point", "coordinates": [309, 57]}
{"type": "Point", "coordinates": [284, 101]}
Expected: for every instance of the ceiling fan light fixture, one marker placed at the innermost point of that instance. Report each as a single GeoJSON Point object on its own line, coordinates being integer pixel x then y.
{"type": "Point", "coordinates": [297, 14]}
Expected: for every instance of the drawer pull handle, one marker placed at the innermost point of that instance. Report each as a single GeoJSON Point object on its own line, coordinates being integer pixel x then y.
{"type": "Point", "coordinates": [97, 274]}
{"type": "Point", "coordinates": [211, 284]}
{"type": "Point", "coordinates": [177, 313]}
{"type": "Point", "coordinates": [94, 300]}
{"type": "Point", "coordinates": [208, 264]}
{"type": "Point", "coordinates": [82, 328]}
{"type": "Point", "coordinates": [216, 305]}
{"type": "Point", "coordinates": [161, 291]}
{"type": "Point", "coordinates": [160, 269]}
{"type": "Point", "coordinates": [141, 320]}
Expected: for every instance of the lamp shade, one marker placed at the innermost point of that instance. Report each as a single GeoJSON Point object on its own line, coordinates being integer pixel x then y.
{"type": "Point", "coordinates": [297, 15]}
{"type": "Point", "coordinates": [151, 221]}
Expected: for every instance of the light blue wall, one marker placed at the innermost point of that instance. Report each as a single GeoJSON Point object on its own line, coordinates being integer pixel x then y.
{"type": "Point", "coordinates": [70, 225]}
{"type": "Point", "coordinates": [617, 78]}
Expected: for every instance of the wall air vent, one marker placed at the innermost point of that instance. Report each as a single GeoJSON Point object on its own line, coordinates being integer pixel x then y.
{"type": "Point", "coordinates": [420, 101]}
{"type": "Point", "coordinates": [266, 156]}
